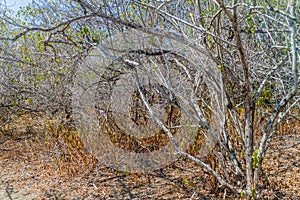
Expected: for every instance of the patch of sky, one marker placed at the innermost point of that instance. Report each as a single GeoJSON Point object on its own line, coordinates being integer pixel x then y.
{"type": "Point", "coordinates": [15, 5]}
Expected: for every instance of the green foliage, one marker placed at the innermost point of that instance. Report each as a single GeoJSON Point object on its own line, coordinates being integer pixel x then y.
{"type": "Point", "coordinates": [191, 2]}
{"type": "Point", "coordinates": [253, 193]}
{"type": "Point", "coordinates": [250, 24]}
{"type": "Point", "coordinates": [185, 180]}
{"type": "Point", "coordinates": [28, 101]}
{"type": "Point", "coordinates": [255, 159]}
{"type": "Point", "coordinates": [242, 194]}
{"type": "Point", "coordinates": [265, 96]}
{"type": "Point", "coordinates": [85, 31]}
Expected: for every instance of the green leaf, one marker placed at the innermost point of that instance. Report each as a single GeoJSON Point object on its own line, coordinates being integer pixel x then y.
{"type": "Point", "coordinates": [255, 159]}
{"type": "Point", "coordinates": [40, 78]}
{"type": "Point", "coordinates": [123, 15]}
{"type": "Point", "coordinates": [185, 180]}
{"type": "Point", "coordinates": [85, 31]}
{"type": "Point", "coordinates": [192, 2]}
{"type": "Point", "coordinates": [253, 193]}
{"type": "Point", "coordinates": [14, 102]}
{"type": "Point", "coordinates": [28, 101]}
{"type": "Point", "coordinates": [95, 39]}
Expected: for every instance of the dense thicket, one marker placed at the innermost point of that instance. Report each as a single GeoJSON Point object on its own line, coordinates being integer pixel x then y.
{"type": "Point", "coordinates": [223, 65]}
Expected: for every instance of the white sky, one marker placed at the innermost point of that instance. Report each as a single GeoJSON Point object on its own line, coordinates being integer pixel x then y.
{"type": "Point", "coordinates": [16, 4]}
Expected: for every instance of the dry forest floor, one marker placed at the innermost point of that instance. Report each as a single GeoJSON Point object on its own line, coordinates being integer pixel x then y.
{"type": "Point", "coordinates": [39, 160]}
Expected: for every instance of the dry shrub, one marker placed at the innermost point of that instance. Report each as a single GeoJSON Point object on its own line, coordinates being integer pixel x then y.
{"type": "Point", "coordinates": [69, 153]}
{"type": "Point", "coordinates": [61, 141]}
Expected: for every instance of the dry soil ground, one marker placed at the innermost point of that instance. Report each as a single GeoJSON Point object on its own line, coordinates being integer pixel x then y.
{"type": "Point", "coordinates": [36, 164]}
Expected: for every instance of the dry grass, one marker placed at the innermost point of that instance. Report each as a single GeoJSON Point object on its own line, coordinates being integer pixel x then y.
{"type": "Point", "coordinates": [40, 158]}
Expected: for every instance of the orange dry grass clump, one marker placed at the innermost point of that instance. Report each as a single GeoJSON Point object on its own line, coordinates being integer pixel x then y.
{"type": "Point", "coordinates": [282, 163]}
{"type": "Point", "coordinates": [40, 154]}
{"type": "Point", "coordinates": [62, 144]}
